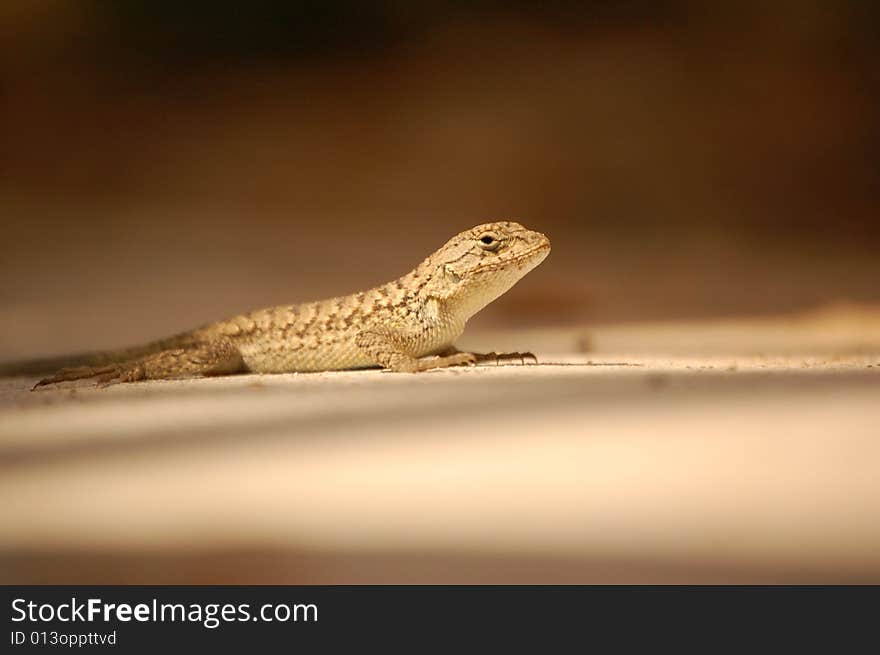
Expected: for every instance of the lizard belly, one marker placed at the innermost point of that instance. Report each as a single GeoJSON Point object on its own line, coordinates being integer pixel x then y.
{"type": "Point", "coordinates": [303, 355]}
{"type": "Point", "coordinates": [335, 348]}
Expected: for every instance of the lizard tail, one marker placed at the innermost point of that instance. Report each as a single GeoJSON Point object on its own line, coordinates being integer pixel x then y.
{"type": "Point", "coordinates": [43, 365]}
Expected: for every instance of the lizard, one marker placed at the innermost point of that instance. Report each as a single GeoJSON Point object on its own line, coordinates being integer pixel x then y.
{"type": "Point", "coordinates": [407, 325]}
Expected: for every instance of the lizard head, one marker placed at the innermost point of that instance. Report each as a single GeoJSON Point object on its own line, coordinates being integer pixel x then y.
{"type": "Point", "coordinates": [476, 266]}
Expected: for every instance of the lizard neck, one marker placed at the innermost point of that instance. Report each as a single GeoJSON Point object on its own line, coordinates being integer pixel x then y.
{"type": "Point", "coordinates": [441, 301]}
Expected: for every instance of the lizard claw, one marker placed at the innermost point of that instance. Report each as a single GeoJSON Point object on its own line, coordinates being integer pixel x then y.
{"type": "Point", "coordinates": [506, 359]}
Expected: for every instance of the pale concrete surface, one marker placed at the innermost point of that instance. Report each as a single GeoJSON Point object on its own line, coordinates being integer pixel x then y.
{"type": "Point", "coordinates": [738, 451]}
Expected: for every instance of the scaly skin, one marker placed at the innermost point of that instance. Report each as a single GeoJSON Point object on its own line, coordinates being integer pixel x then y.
{"type": "Point", "coordinates": [407, 325]}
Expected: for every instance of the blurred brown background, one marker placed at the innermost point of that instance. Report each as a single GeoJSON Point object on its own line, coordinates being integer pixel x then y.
{"type": "Point", "coordinates": [166, 163]}
{"type": "Point", "coordinates": [706, 409]}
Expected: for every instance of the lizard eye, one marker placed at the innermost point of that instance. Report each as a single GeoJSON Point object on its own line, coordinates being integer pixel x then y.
{"type": "Point", "coordinates": [488, 241]}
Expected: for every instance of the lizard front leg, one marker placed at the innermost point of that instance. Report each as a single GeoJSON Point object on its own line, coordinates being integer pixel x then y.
{"type": "Point", "coordinates": [389, 350]}
{"type": "Point", "coordinates": [198, 359]}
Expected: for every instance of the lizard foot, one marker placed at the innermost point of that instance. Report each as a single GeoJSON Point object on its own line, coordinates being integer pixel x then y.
{"type": "Point", "coordinates": [445, 361]}
{"type": "Point", "coordinates": [103, 375]}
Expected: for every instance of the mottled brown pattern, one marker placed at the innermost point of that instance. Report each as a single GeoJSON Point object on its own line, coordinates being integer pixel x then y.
{"type": "Point", "coordinates": [407, 325]}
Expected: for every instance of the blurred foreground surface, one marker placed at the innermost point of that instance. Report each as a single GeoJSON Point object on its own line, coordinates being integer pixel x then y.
{"type": "Point", "coordinates": [702, 452]}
